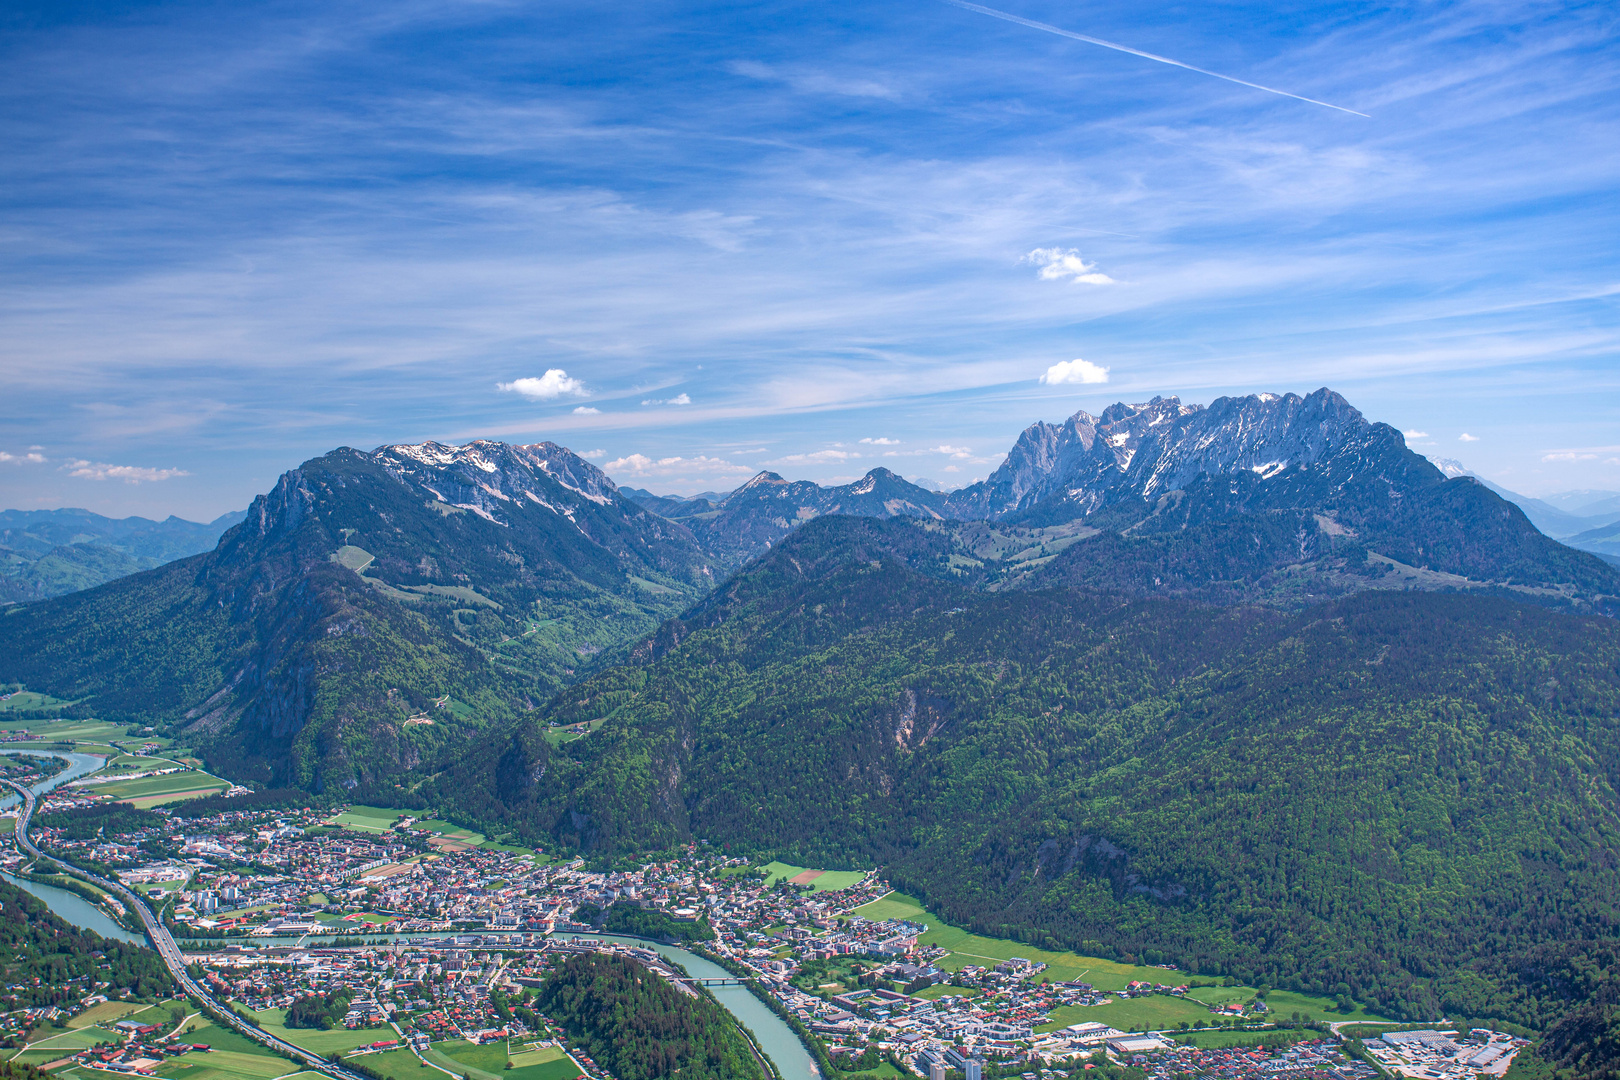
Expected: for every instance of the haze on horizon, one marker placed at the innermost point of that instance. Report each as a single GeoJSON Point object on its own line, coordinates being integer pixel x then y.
{"type": "Point", "coordinates": [694, 241]}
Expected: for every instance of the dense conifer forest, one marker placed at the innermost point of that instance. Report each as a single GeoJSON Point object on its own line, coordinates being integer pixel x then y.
{"type": "Point", "coordinates": [640, 1027]}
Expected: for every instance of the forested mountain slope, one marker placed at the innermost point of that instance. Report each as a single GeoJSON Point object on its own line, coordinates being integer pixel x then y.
{"type": "Point", "coordinates": [1364, 792]}
{"type": "Point", "coordinates": [369, 609]}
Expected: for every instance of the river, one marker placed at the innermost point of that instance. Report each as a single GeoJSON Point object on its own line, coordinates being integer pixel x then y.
{"type": "Point", "coordinates": [775, 1038]}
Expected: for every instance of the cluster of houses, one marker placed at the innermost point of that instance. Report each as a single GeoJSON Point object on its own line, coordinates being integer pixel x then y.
{"type": "Point", "coordinates": [145, 1047]}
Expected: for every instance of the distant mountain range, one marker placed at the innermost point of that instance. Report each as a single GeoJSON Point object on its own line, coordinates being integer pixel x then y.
{"type": "Point", "coordinates": [1588, 520]}
{"type": "Point", "coordinates": [46, 553]}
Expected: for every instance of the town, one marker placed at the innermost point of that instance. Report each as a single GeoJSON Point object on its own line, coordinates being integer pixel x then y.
{"type": "Point", "coordinates": [425, 940]}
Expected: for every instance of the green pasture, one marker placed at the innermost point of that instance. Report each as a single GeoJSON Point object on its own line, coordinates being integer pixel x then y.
{"type": "Point", "coordinates": [80, 730]}
{"type": "Point", "coordinates": [562, 1068]}
{"type": "Point", "coordinates": [353, 558]}
{"type": "Point", "coordinates": [30, 699]}
{"type": "Point", "coordinates": [314, 1040]}
{"type": "Point", "coordinates": [1153, 1013]}
{"type": "Point", "coordinates": [395, 1065]}
{"type": "Point", "coordinates": [105, 1012]}
{"type": "Point", "coordinates": [1284, 1003]}
{"type": "Point", "coordinates": [74, 1038]}
{"type": "Point", "coordinates": [1221, 1040]}
{"type": "Point", "coordinates": [491, 1057]}
{"type": "Point", "coordinates": [829, 881]}
{"type": "Point", "coordinates": [435, 1054]}
{"type": "Point", "coordinates": [159, 785]}
{"type": "Point", "coordinates": [451, 832]}
{"type": "Point", "coordinates": [545, 1063]}
{"type": "Point", "coordinates": [225, 1065]}
{"type": "Point", "coordinates": [368, 818]}
{"type": "Point", "coordinates": [205, 1031]}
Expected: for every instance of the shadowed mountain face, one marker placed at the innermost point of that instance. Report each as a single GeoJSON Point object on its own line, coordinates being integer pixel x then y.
{"type": "Point", "coordinates": [369, 609]}
{"type": "Point", "coordinates": [46, 553]}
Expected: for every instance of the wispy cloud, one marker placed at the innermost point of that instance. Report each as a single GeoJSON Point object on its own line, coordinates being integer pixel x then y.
{"type": "Point", "coordinates": [585, 410]}
{"type": "Point", "coordinates": [812, 81]}
{"type": "Point", "coordinates": [1465, 437]}
{"type": "Point", "coordinates": [1415, 434]}
{"type": "Point", "coordinates": [640, 465]}
{"type": "Point", "coordinates": [678, 399]}
{"type": "Point", "coordinates": [33, 457]}
{"type": "Point", "coordinates": [815, 457]}
{"type": "Point", "coordinates": [880, 441]}
{"type": "Point", "coordinates": [553, 384]}
{"type": "Point", "coordinates": [129, 474]}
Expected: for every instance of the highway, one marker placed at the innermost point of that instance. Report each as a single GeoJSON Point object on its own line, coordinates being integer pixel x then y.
{"type": "Point", "coordinates": [164, 942]}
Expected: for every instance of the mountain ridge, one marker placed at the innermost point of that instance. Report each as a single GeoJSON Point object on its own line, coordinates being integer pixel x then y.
{"type": "Point", "coordinates": [45, 553]}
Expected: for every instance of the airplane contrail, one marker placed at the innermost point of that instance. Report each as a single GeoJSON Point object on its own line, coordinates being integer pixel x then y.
{"type": "Point", "coordinates": [1033, 25]}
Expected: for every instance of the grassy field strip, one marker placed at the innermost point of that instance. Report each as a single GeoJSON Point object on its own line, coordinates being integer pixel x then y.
{"type": "Point", "coordinates": [1109, 976]}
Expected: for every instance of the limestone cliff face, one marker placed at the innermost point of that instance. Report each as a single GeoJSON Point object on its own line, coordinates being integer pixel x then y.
{"type": "Point", "coordinates": [1139, 452]}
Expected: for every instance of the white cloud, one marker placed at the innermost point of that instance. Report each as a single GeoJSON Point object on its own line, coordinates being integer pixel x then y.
{"type": "Point", "coordinates": [585, 410]}
{"type": "Point", "coordinates": [642, 465]}
{"type": "Point", "coordinates": [679, 399]}
{"type": "Point", "coordinates": [819, 457]}
{"type": "Point", "coordinates": [1416, 434]}
{"type": "Point", "coordinates": [33, 457]}
{"type": "Point", "coordinates": [881, 442]}
{"type": "Point", "coordinates": [1465, 437]}
{"type": "Point", "coordinates": [129, 474]}
{"type": "Point", "coordinates": [1075, 371]}
{"type": "Point", "coordinates": [1568, 455]}
{"type": "Point", "coordinates": [1059, 263]}
{"type": "Point", "coordinates": [553, 384]}
{"type": "Point", "coordinates": [960, 453]}
{"type": "Point", "coordinates": [592, 453]}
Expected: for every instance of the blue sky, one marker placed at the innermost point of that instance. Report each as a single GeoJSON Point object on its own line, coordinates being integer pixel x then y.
{"type": "Point", "coordinates": [807, 237]}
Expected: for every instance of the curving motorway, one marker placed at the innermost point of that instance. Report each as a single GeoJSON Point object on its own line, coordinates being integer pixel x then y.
{"type": "Point", "coordinates": [164, 942]}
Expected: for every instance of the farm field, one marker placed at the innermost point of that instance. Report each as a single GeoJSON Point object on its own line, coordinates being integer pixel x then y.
{"type": "Point", "coordinates": [394, 1064]}
{"type": "Point", "coordinates": [29, 699]}
{"type": "Point", "coordinates": [205, 1031]}
{"type": "Point", "coordinates": [562, 1068]}
{"type": "Point", "coordinates": [491, 1057]}
{"type": "Point", "coordinates": [341, 1040]}
{"type": "Point", "coordinates": [967, 948]}
{"type": "Point", "coordinates": [170, 785]}
{"type": "Point", "coordinates": [367, 818]}
{"type": "Point", "coordinates": [435, 1053]}
{"type": "Point", "coordinates": [225, 1065]}
{"type": "Point", "coordinates": [106, 1012]}
{"type": "Point", "coordinates": [1154, 1013]}
{"type": "Point", "coordinates": [545, 1063]}
{"type": "Point", "coordinates": [1221, 1040]}
{"type": "Point", "coordinates": [818, 880]}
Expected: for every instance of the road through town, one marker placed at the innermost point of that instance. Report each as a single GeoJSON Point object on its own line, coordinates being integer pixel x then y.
{"type": "Point", "coordinates": [164, 942]}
